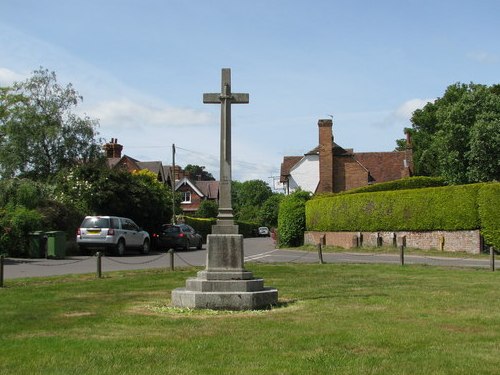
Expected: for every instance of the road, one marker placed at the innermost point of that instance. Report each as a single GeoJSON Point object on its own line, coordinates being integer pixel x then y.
{"type": "Point", "coordinates": [257, 250]}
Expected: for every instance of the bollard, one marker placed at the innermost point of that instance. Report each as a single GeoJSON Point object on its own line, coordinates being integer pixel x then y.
{"type": "Point", "coordinates": [402, 255]}
{"type": "Point", "coordinates": [99, 264]}
{"type": "Point", "coordinates": [492, 258]}
{"type": "Point", "coordinates": [320, 254]}
{"type": "Point", "coordinates": [171, 252]}
{"type": "Point", "coordinates": [1, 270]}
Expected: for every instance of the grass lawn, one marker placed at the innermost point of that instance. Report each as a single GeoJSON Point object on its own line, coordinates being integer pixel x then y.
{"type": "Point", "coordinates": [332, 319]}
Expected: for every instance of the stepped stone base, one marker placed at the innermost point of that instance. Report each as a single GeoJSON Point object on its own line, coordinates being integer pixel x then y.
{"type": "Point", "coordinates": [225, 284]}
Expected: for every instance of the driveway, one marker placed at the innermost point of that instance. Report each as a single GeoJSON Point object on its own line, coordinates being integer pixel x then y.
{"type": "Point", "coordinates": [257, 250]}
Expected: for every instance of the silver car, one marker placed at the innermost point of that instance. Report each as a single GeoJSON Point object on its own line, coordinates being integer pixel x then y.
{"type": "Point", "coordinates": [112, 233]}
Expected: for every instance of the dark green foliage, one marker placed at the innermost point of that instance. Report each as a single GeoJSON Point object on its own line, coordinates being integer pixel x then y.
{"type": "Point", "coordinates": [248, 198]}
{"type": "Point", "coordinates": [458, 136]}
{"type": "Point", "coordinates": [196, 172]}
{"type": "Point", "coordinates": [417, 182]}
{"type": "Point", "coordinates": [201, 225]}
{"type": "Point", "coordinates": [204, 226]}
{"type": "Point", "coordinates": [208, 209]}
{"type": "Point", "coordinates": [269, 211]}
{"type": "Point", "coordinates": [444, 208]}
{"type": "Point", "coordinates": [292, 219]}
{"type": "Point", "coordinates": [16, 222]}
{"type": "Point", "coordinates": [489, 211]}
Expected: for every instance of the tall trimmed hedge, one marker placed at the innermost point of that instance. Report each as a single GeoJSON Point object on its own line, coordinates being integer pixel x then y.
{"type": "Point", "coordinates": [292, 219]}
{"type": "Point", "coordinates": [489, 212]}
{"type": "Point", "coordinates": [462, 207]}
{"type": "Point", "coordinates": [204, 226]}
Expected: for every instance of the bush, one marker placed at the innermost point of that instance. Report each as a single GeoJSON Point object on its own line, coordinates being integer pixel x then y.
{"type": "Point", "coordinates": [402, 184]}
{"type": "Point", "coordinates": [15, 225]}
{"type": "Point", "coordinates": [204, 226]}
{"type": "Point", "coordinates": [445, 208]}
{"type": "Point", "coordinates": [489, 212]}
{"type": "Point", "coordinates": [292, 219]}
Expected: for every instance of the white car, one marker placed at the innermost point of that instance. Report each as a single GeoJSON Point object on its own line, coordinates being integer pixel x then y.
{"type": "Point", "coordinates": [263, 231]}
{"type": "Point", "coordinates": [112, 232]}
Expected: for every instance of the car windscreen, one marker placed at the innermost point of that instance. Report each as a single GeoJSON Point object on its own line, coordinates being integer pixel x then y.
{"type": "Point", "coordinates": [96, 222]}
{"type": "Point", "coordinates": [168, 230]}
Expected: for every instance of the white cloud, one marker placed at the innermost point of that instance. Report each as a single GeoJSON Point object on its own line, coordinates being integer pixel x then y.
{"type": "Point", "coordinates": [8, 77]}
{"type": "Point", "coordinates": [125, 114]}
{"type": "Point", "coordinates": [405, 110]}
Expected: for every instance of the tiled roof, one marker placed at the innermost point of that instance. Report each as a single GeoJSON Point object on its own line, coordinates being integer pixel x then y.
{"type": "Point", "coordinates": [383, 166]}
{"type": "Point", "coordinates": [209, 188]}
{"type": "Point", "coordinates": [288, 163]}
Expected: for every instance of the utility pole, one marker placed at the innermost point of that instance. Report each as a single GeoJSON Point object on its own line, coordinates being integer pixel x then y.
{"type": "Point", "coordinates": [173, 183]}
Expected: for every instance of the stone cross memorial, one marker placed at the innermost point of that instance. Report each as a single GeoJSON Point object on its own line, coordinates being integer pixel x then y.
{"type": "Point", "coordinates": [225, 284]}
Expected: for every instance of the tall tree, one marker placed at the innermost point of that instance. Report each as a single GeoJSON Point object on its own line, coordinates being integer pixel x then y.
{"type": "Point", "coordinates": [196, 172]}
{"type": "Point", "coordinates": [39, 132]}
{"type": "Point", "coordinates": [458, 135]}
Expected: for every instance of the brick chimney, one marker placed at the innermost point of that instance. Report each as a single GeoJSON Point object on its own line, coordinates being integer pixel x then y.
{"type": "Point", "coordinates": [113, 149]}
{"type": "Point", "coordinates": [325, 156]}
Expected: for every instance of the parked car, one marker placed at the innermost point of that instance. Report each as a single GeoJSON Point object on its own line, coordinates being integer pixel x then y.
{"type": "Point", "coordinates": [179, 236]}
{"type": "Point", "coordinates": [263, 231]}
{"type": "Point", "coordinates": [112, 233]}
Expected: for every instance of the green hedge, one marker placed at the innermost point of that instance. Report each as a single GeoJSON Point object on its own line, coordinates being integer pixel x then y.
{"type": "Point", "coordinates": [292, 219]}
{"type": "Point", "coordinates": [407, 183]}
{"type": "Point", "coordinates": [445, 208]}
{"type": "Point", "coordinates": [489, 212]}
{"type": "Point", "coordinates": [204, 226]}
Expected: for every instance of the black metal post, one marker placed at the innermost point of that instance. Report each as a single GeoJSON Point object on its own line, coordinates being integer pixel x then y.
{"type": "Point", "coordinates": [99, 264]}
{"type": "Point", "coordinates": [320, 254]}
{"type": "Point", "coordinates": [171, 252]}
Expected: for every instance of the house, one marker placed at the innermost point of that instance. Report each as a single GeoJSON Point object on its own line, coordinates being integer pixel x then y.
{"type": "Point", "coordinates": [193, 192]}
{"type": "Point", "coordinates": [332, 168]}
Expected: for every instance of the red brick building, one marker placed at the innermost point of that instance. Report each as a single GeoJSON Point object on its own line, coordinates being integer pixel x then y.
{"type": "Point", "coordinates": [193, 192]}
{"type": "Point", "coordinates": [331, 168]}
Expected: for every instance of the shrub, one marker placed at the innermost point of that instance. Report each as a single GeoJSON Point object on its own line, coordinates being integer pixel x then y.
{"type": "Point", "coordinates": [444, 208]}
{"type": "Point", "coordinates": [292, 219]}
{"type": "Point", "coordinates": [489, 212]}
{"type": "Point", "coordinates": [15, 225]}
{"type": "Point", "coordinates": [407, 183]}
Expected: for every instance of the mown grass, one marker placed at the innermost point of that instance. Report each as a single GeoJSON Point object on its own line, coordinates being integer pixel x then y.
{"type": "Point", "coordinates": [332, 319]}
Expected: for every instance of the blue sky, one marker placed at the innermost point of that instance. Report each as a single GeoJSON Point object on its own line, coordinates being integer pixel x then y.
{"type": "Point", "coordinates": [142, 67]}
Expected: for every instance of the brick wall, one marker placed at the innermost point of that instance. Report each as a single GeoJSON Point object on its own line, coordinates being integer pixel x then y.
{"type": "Point", "coordinates": [450, 241]}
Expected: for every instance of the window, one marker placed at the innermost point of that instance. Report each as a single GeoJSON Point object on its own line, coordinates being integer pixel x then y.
{"type": "Point", "coordinates": [186, 197]}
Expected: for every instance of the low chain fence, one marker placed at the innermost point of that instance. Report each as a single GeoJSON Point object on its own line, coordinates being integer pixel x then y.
{"type": "Point", "coordinates": [172, 255]}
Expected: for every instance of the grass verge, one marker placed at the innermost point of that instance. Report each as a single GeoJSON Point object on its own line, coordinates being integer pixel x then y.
{"type": "Point", "coordinates": [332, 319]}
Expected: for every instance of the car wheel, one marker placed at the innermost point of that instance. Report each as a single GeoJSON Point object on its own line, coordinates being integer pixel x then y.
{"type": "Point", "coordinates": [145, 247]}
{"type": "Point", "coordinates": [120, 247]}
{"type": "Point", "coordinates": [200, 244]}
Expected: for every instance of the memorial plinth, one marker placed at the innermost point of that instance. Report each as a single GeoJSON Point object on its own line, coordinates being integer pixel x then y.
{"type": "Point", "coordinates": [225, 284]}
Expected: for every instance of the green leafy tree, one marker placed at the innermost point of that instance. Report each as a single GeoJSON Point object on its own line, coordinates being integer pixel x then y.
{"type": "Point", "coordinates": [39, 132]}
{"type": "Point", "coordinates": [196, 172]}
{"type": "Point", "coordinates": [208, 209]}
{"type": "Point", "coordinates": [458, 136]}
{"type": "Point", "coordinates": [269, 211]}
{"type": "Point", "coordinates": [248, 198]}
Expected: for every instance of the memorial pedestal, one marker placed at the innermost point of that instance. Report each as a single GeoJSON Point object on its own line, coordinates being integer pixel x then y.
{"type": "Point", "coordinates": [225, 284]}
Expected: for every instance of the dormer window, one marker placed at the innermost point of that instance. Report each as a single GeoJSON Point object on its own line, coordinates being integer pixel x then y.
{"type": "Point", "coordinates": [186, 197]}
